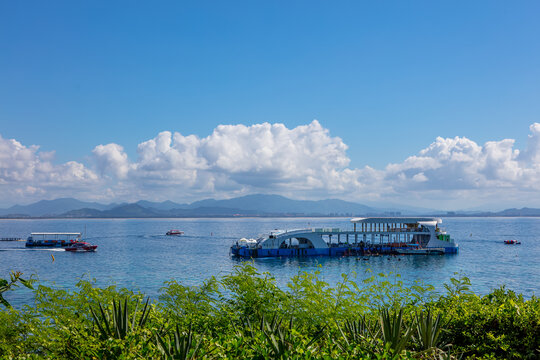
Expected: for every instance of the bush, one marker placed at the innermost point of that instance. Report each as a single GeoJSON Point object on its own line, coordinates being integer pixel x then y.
{"type": "Point", "coordinates": [246, 315]}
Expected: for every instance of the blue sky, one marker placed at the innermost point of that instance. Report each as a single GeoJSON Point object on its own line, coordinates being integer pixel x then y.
{"type": "Point", "coordinates": [387, 78]}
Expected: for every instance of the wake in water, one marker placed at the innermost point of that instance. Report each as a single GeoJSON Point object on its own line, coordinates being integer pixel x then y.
{"type": "Point", "coordinates": [25, 249]}
{"type": "Point", "coordinates": [168, 237]}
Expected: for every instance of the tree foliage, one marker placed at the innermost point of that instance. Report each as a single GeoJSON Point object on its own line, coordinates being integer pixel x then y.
{"type": "Point", "coordinates": [245, 315]}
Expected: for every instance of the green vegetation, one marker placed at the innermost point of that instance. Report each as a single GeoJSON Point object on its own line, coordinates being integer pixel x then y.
{"type": "Point", "coordinates": [246, 315]}
{"type": "Point", "coordinates": [15, 279]}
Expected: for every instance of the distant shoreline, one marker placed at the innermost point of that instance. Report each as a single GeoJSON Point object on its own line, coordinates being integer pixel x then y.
{"type": "Point", "coordinates": [256, 206]}
{"type": "Point", "coordinates": [259, 216]}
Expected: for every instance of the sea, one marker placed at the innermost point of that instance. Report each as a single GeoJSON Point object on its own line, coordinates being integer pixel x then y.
{"type": "Point", "coordinates": [136, 253]}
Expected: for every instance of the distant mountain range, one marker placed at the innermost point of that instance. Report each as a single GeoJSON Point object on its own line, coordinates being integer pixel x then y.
{"type": "Point", "coordinates": [512, 212]}
{"type": "Point", "coordinates": [251, 205]}
{"type": "Point", "coordinates": [52, 207]}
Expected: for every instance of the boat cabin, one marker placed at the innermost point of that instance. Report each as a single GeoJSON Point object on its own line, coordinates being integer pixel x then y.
{"type": "Point", "coordinates": [52, 239]}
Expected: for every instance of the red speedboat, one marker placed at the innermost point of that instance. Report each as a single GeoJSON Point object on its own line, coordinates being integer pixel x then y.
{"type": "Point", "coordinates": [512, 242]}
{"type": "Point", "coordinates": [174, 232]}
{"type": "Point", "coordinates": [81, 247]}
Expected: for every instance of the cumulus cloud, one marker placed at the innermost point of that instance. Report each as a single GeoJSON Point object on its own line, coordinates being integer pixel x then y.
{"type": "Point", "coordinates": [111, 158]}
{"type": "Point", "coordinates": [237, 157]}
{"type": "Point", "coordinates": [271, 154]}
{"type": "Point", "coordinates": [305, 161]}
{"type": "Point", "coordinates": [26, 171]}
{"type": "Point", "coordinates": [531, 155]}
{"type": "Point", "coordinates": [461, 164]}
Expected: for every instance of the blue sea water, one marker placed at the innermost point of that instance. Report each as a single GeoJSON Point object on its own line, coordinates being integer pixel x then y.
{"type": "Point", "coordinates": [135, 253]}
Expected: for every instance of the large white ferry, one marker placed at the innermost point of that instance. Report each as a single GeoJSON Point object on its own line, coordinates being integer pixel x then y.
{"type": "Point", "coordinates": [375, 235]}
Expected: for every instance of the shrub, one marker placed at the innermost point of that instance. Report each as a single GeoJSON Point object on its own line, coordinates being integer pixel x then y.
{"type": "Point", "coordinates": [246, 315]}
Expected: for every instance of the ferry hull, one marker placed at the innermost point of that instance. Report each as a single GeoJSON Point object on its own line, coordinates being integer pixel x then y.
{"type": "Point", "coordinates": [48, 244]}
{"type": "Point", "coordinates": [261, 253]}
{"type": "Point", "coordinates": [245, 252]}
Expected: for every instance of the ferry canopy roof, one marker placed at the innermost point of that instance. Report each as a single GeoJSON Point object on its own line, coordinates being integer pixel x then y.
{"type": "Point", "coordinates": [397, 220]}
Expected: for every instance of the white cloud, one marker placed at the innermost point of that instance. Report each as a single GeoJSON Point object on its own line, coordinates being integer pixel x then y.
{"type": "Point", "coordinates": [237, 158]}
{"type": "Point", "coordinates": [305, 161]}
{"type": "Point", "coordinates": [111, 158]}
{"type": "Point", "coordinates": [531, 155]}
{"type": "Point", "coordinates": [271, 154]}
{"type": "Point", "coordinates": [461, 169]}
{"type": "Point", "coordinates": [24, 171]}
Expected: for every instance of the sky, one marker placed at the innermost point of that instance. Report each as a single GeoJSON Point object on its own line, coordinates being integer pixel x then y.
{"type": "Point", "coordinates": [423, 103]}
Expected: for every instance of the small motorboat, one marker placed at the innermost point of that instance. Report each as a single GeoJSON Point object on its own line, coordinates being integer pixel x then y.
{"type": "Point", "coordinates": [81, 246]}
{"type": "Point", "coordinates": [512, 242]}
{"type": "Point", "coordinates": [174, 233]}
